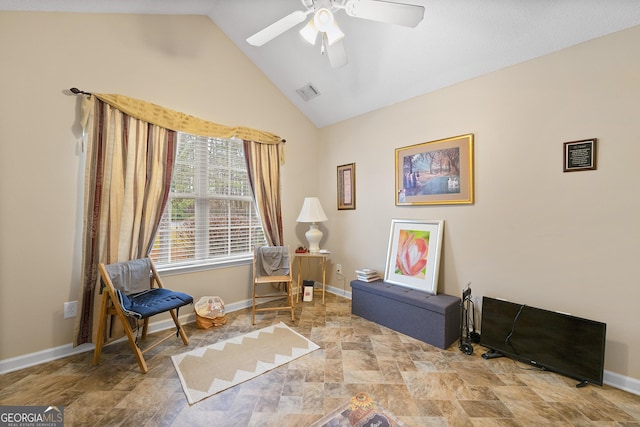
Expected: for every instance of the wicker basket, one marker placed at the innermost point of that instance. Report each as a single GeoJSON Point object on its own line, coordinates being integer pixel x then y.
{"type": "Point", "coordinates": [210, 312]}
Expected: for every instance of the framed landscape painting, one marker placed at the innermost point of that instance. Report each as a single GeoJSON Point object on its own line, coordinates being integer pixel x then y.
{"type": "Point", "coordinates": [435, 173]}
{"type": "Point", "coordinates": [413, 257]}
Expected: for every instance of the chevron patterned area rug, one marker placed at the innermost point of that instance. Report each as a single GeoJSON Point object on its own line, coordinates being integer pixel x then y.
{"type": "Point", "coordinates": [209, 370]}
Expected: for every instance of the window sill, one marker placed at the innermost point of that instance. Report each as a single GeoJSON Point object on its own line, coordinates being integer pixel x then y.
{"type": "Point", "coordinates": [172, 270]}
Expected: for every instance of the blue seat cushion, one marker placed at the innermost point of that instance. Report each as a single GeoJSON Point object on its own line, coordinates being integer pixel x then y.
{"type": "Point", "coordinates": [149, 303]}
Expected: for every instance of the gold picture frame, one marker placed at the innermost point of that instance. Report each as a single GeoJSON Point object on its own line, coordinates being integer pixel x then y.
{"type": "Point", "coordinates": [347, 186]}
{"type": "Point", "coordinates": [435, 173]}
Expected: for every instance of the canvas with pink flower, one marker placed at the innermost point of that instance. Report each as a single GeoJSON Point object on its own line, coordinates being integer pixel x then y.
{"type": "Point", "coordinates": [413, 256]}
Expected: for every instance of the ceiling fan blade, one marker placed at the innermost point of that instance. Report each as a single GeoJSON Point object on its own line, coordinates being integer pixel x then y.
{"type": "Point", "coordinates": [408, 15]}
{"type": "Point", "coordinates": [274, 30]}
{"type": "Point", "coordinates": [336, 53]}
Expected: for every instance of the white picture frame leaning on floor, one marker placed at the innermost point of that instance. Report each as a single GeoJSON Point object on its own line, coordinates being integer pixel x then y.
{"type": "Point", "coordinates": [413, 256]}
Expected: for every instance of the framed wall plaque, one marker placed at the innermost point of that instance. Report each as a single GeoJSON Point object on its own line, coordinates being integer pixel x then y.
{"type": "Point", "coordinates": [580, 155]}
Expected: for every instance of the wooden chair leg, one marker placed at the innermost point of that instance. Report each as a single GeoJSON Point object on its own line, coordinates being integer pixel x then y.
{"type": "Point", "coordinates": [290, 297]}
{"type": "Point", "coordinates": [101, 325]}
{"type": "Point", "coordinates": [127, 329]}
{"type": "Point", "coordinates": [253, 307]}
{"type": "Point", "coordinates": [183, 335]}
{"type": "Point", "coordinates": [145, 328]}
{"type": "Point", "coordinates": [132, 342]}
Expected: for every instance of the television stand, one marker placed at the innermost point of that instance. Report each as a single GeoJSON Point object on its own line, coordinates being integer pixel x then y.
{"type": "Point", "coordinates": [492, 354]}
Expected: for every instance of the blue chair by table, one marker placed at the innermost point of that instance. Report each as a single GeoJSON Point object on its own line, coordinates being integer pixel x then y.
{"type": "Point", "coordinates": [133, 291]}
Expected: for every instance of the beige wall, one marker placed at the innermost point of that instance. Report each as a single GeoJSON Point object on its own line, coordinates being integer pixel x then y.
{"type": "Point", "coordinates": [535, 235]}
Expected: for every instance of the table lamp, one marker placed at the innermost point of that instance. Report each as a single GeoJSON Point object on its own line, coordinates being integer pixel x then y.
{"type": "Point", "coordinates": [312, 212]}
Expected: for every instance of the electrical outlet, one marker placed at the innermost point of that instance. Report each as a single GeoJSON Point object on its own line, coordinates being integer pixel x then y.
{"type": "Point", "coordinates": [70, 309]}
{"type": "Point", "coordinates": [339, 268]}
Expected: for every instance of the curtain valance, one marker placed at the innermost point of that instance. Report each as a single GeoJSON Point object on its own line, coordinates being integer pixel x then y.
{"type": "Point", "coordinates": [181, 122]}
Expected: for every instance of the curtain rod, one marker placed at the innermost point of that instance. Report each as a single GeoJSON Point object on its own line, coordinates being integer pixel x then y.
{"type": "Point", "coordinates": [79, 92]}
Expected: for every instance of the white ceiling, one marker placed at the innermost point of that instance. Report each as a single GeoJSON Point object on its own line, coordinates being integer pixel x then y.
{"type": "Point", "coordinates": [457, 40]}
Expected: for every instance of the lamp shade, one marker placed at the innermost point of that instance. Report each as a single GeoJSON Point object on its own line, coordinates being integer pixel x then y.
{"type": "Point", "coordinates": [311, 211]}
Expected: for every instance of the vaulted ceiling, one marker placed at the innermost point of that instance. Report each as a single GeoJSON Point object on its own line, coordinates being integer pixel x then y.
{"type": "Point", "coordinates": [457, 40]}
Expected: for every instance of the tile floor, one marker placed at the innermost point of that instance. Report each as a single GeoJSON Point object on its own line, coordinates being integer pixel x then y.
{"type": "Point", "coordinates": [421, 384]}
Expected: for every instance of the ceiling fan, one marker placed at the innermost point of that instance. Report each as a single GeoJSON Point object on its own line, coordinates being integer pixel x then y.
{"type": "Point", "coordinates": [323, 22]}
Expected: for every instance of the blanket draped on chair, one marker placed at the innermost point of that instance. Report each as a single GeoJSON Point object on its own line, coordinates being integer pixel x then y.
{"type": "Point", "coordinates": [131, 277]}
{"type": "Point", "coordinates": [274, 261]}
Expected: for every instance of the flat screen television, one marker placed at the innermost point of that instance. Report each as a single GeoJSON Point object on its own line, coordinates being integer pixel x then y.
{"type": "Point", "coordinates": [558, 342]}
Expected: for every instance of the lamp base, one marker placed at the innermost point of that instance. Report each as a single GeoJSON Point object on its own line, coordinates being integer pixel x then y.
{"type": "Point", "coordinates": [314, 235]}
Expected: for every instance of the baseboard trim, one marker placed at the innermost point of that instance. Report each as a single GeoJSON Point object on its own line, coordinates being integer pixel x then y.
{"type": "Point", "coordinates": [44, 356]}
{"type": "Point", "coordinates": [48, 355]}
{"type": "Point", "coordinates": [339, 291]}
{"type": "Point", "coordinates": [613, 379]}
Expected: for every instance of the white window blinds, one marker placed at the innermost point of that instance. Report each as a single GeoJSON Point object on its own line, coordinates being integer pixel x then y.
{"type": "Point", "coordinates": [210, 217]}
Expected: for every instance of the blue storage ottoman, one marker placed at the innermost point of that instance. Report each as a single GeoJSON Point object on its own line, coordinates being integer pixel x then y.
{"type": "Point", "coordinates": [434, 319]}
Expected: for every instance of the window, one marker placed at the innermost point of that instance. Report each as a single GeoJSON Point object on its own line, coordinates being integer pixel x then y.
{"type": "Point", "coordinates": [210, 217]}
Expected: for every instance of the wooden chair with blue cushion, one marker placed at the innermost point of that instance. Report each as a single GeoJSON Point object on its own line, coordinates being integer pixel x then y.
{"type": "Point", "coordinates": [132, 291]}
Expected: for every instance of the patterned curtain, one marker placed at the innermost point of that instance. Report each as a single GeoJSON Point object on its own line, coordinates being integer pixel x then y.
{"type": "Point", "coordinates": [128, 172]}
{"type": "Point", "coordinates": [263, 166]}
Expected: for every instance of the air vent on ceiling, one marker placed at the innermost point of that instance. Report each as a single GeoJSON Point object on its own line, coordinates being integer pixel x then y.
{"type": "Point", "coordinates": [308, 92]}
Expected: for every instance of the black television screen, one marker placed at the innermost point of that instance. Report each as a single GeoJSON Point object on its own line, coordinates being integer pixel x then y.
{"type": "Point", "coordinates": [559, 342]}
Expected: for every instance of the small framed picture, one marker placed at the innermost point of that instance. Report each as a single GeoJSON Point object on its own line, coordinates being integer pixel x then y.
{"type": "Point", "coordinates": [347, 186]}
{"type": "Point", "coordinates": [413, 257]}
{"type": "Point", "coordinates": [580, 155]}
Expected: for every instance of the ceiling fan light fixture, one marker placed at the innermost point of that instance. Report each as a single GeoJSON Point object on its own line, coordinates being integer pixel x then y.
{"type": "Point", "coordinates": [323, 22]}
{"type": "Point", "coordinates": [334, 34]}
{"type": "Point", "coordinates": [309, 32]}
{"type": "Point", "coordinates": [323, 19]}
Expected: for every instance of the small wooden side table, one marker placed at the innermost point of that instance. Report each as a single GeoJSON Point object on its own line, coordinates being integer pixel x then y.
{"type": "Point", "coordinates": [322, 257]}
